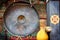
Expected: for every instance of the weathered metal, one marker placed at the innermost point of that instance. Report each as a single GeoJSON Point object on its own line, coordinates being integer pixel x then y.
{"type": "Point", "coordinates": [21, 19]}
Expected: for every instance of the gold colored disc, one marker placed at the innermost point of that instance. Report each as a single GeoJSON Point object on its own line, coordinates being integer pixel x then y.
{"type": "Point", "coordinates": [54, 19]}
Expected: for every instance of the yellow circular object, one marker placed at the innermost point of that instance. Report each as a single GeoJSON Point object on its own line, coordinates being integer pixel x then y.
{"type": "Point", "coordinates": [54, 19]}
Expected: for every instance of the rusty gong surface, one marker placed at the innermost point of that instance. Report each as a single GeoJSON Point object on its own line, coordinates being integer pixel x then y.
{"type": "Point", "coordinates": [21, 19]}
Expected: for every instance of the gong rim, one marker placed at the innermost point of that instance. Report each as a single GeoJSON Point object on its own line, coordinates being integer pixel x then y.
{"type": "Point", "coordinates": [5, 25]}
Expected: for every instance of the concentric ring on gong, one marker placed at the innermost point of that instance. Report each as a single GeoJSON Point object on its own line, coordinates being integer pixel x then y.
{"type": "Point", "coordinates": [21, 20]}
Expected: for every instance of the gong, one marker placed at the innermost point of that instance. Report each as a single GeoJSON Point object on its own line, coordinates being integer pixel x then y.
{"type": "Point", "coordinates": [21, 19]}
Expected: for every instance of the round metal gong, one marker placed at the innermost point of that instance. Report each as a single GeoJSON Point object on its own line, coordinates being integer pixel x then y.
{"type": "Point", "coordinates": [21, 19]}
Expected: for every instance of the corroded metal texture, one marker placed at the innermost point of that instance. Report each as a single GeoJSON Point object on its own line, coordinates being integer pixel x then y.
{"type": "Point", "coordinates": [21, 19]}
